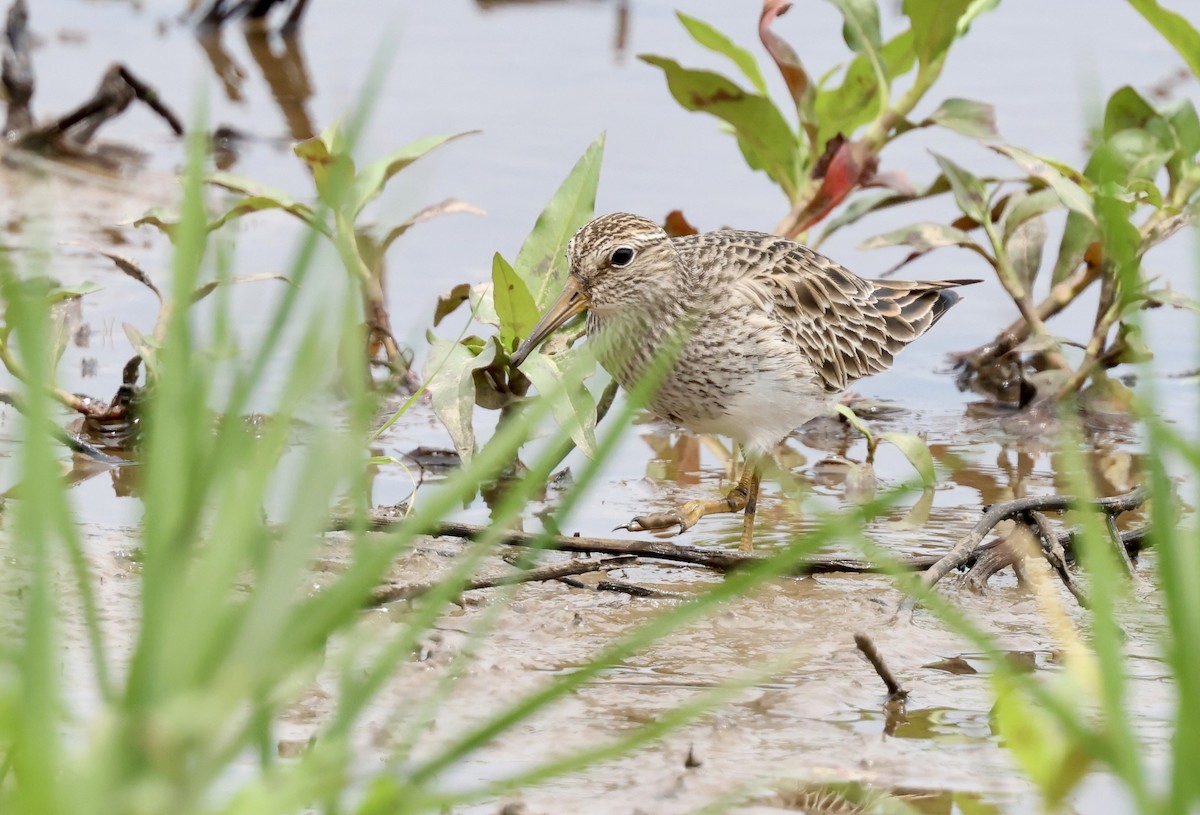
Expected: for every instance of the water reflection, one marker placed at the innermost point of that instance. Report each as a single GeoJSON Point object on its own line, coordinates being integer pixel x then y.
{"type": "Point", "coordinates": [281, 62]}
{"type": "Point", "coordinates": [979, 463]}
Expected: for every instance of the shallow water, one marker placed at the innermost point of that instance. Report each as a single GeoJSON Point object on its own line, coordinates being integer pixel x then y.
{"type": "Point", "coordinates": [466, 65]}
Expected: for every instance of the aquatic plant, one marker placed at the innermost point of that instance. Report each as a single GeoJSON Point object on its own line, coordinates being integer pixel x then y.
{"type": "Point", "coordinates": [1140, 186]}
{"type": "Point", "coordinates": [360, 248]}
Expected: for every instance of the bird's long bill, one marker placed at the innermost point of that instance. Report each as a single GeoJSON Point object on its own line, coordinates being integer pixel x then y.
{"type": "Point", "coordinates": [571, 302]}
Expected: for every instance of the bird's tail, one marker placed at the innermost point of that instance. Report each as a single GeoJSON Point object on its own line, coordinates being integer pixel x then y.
{"type": "Point", "coordinates": [912, 307]}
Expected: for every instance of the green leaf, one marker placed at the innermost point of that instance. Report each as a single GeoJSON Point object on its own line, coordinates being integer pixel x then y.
{"type": "Point", "coordinates": [1050, 756]}
{"type": "Point", "coordinates": [483, 304]}
{"type": "Point", "coordinates": [449, 379]}
{"type": "Point", "coordinates": [969, 192]}
{"type": "Point", "coordinates": [1129, 155]}
{"type": "Point", "coordinates": [714, 40]}
{"type": "Point", "coordinates": [976, 8]}
{"type": "Point", "coordinates": [331, 166]}
{"type": "Point", "coordinates": [1126, 109]}
{"type": "Point", "coordinates": [857, 423]}
{"type": "Point", "coordinates": [921, 236]}
{"type": "Point", "coordinates": [935, 24]}
{"type": "Point", "coordinates": [246, 186]}
{"type": "Point", "coordinates": [573, 406]}
{"type": "Point", "coordinates": [861, 205]}
{"type": "Point", "coordinates": [1181, 116]}
{"type": "Point", "coordinates": [764, 135]}
{"type": "Point", "coordinates": [260, 196]}
{"type": "Point", "coordinates": [143, 346]}
{"type": "Point", "coordinates": [1175, 29]}
{"type": "Point", "coordinates": [1073, 196]}
{"type": "Point", "coordinates": [1079, 234]}
{"type": "Point", "coordinates": [259, 203]}
{"type": "Point", "coordinates": [860, 98]}
{"type": "Point", "coordinates": [369, 183]}
{"type": "Point", "coordinates": [542, 261]}
{"type": "Point", "coordinates": [1172, 298]}
{"type": "Point", "coordinates": [1024, 247]}
{"type": "Point", "coordinates": [1022, 206]}
{"type": "Point", "coordinates": [204, 290]}
{"type": "Point", "coordinates": [968, 117]}
{"type": "Point", "coordinates": [916, 451]}
{"type": "Point", "coordinates": [865, 204]}
{"type": "Point", "coordinates": [860, 27]}
{"type": "Point", "coordinates": [162, 220]}
{"type": "Point", "coordinates": [861, 32]}
{"type": "Point", "coordinates": [448, 206]}
{"type": "Point", "coordinates": [514, 304]}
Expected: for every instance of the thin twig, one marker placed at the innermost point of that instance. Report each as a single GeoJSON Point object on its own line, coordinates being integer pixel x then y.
{"type": "Point", "coordinates": [71, 441]}
{"type": "Point", "coordinates": [1056, 556]}
{"type": "Point", "coordinates": [966, 548]}
{"type": "Point", "coordinates": [895, 691]}
{"type": "Point", "coordinates": [1114, 535]}
{"type": "Point", "coordinates": [717, 559]}
{"type": "Point", "coordinates": [555, 571]}
{"type": "Point", "coordinates": [622, 587]}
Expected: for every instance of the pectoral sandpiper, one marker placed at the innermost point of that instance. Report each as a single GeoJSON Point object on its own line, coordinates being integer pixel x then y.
{"type": "Point", "coordinates": [770, 333]}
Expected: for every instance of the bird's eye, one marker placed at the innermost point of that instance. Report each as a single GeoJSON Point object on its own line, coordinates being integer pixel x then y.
{"type": "Point", "coordinates": [622, 256]}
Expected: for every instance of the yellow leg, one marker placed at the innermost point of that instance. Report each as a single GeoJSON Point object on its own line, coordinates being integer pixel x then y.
{"type": "Point", "coordinates": [747, 544]}
{"type": "Point", "coordinates": [742, 496]}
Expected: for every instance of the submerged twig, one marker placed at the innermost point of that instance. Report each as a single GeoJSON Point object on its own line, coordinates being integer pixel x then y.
{"type": "Point", "coordinates": [1055, 554]}
{"type": "Point", "coordinates": [967, 547]}
{"type": "Point", "coordinates": [622, 587]}
{"type": "Point", "coordinates": [896, 692]}
{"type": "Point", "coordinates": [555, 571]}
{"type": "Point", "coordinates": [68, 440]}
{"type": "Point", "coordinates": [721, 560]}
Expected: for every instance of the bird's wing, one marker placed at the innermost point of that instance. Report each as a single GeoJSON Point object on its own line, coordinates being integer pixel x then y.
{"type": "Point", "coordinates": [846, 326]}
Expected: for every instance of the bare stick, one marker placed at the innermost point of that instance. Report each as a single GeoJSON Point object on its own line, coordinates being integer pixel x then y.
{"type": "Point", "coordinates": [622, 587]}
{"type": "Point", "coordinates": [718, 559]}
{"type": "Point", "coordinates": [1056, 556]}
{"type": "Point", "coordinates": [555, 571]}
{"type": "Point", "coordinates": [1114, 535]}
{"type": "Point", "coordinates": [966, 548]}
{"type": "Point", "coordinates": [896, 693]}
{"type": "Point", "coordinates": [996, 513]}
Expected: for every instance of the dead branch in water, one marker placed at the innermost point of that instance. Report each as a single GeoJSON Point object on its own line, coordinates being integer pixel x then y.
{"type": "Point", "coordinates": [555, 571]}
{"type": "Point", "coordinates": [70, 135]}
{"type": "Point", "coordinates": [1018, 509]}
{"type": "Point", "coordinates": [720, 560]}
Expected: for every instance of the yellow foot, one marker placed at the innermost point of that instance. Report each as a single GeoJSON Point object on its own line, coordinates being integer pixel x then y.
{"type": "Point", "coordinates": [684, 517]}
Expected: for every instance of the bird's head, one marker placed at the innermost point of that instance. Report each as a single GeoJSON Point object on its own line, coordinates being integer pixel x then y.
{"type": "Point", "coordinates": [617, 261]}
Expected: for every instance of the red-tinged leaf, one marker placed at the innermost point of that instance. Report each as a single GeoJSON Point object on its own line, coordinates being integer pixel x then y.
{"type": "Point", "coordinates": [784, 55]}
{"type": "Point", "coordinates": [677, 226]}
{"type": "Point", "coordinates": [850, 166]}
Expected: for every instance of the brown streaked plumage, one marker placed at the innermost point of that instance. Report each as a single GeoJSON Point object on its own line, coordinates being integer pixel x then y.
{"type": "Point", "coordinates": [770, 332]}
